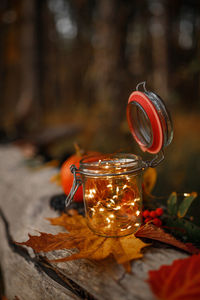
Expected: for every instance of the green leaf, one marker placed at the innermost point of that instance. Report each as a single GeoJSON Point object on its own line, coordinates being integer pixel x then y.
{"type": "Point", "coordinates": [185, 204]}
{"type": "Point", "coordinates": [172, 204]}
{"type": "Point", "coordinates": [183, 228]}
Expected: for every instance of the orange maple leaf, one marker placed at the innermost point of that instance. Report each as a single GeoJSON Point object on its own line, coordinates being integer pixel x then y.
{"type": "Point", "coordinates": [90, 245]}
{"type": "Point", "coordinates": [179, 281]}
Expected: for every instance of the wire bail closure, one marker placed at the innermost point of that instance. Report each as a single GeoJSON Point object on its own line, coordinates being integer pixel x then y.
{"type": "Point", "coordinates": [76, 183]}
{"type": "Point", "coordinates": [143, 83]}
{"type": "Point", "coordinates": [155, 161]}
{"type": "Point", "coordinates": [151, 126]}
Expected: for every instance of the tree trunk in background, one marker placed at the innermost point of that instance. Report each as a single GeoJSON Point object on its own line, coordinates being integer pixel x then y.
{"type": "Point", "coordinates": [158, 30]}
{"type": "Point", "coordinates": [27, 109]}
{"type": "Point", "coordinates": [2, 66]}
{"type": "Point", "coordinates": [107, 73]}
{"type": "Point", "coordinates": [9, 61]}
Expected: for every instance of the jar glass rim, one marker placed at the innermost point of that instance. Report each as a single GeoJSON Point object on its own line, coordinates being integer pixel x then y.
{"type": "Point", "coordinates": [111, 164]}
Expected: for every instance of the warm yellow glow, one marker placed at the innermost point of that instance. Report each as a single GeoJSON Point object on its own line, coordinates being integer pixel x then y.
{"type": "Point", "coordinates": [90, 196]}
{"type": "Point", "coordinates": [113, 204]}
{"type": "Point", "coordinates": [91, 193]}
{"type": "Point", "coordinates": [109, 185]}
{"type": "Point", "coordinates": [136, 199]}
{"type": "Point", "coordinates": [117, 207]}
{"type": "Point", "coordinates": [186, 194]}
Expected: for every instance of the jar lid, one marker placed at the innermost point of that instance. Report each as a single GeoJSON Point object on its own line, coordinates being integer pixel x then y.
{"type": "Point", "coordinates": [149, 121]}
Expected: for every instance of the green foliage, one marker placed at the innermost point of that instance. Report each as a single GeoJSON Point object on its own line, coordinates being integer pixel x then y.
{"type": "Point", "coordinates": [185, 204]}
{"type": "Point", "coordinates": [172, 204]}
{"type": "Point", "coordinates": [184, 228]}
{"type": "Point", "coordinates": [182, 209]}
{"type": "Point", "coordinates": [180, 226]}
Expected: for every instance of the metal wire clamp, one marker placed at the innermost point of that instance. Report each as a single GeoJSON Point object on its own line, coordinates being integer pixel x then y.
{"type": "Point", "coordinates": [76, 183]}
{"type": "Point", "coordinates": [155, 161]}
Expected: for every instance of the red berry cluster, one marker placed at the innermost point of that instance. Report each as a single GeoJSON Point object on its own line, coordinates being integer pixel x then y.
{"type": "Point", "coordinates": [153, 216]}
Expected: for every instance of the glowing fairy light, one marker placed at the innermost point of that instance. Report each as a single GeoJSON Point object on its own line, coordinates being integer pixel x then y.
{"type": "Point", "coordinates": [117, 207]}
{"type": "Point", "coordinates": [136, 199]}
{"type": "Point", "coordinates": [91, 193]}
{"type": "Point", "coordinates": [113, 203]}
{"type": "Point", "coordinates": [186, 194]}
{"type": "Point", "coordinates": [90, 196]}
{"type": "Point", "coordinates": [109, 185]}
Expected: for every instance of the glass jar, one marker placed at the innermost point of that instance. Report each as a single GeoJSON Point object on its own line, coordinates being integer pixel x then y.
{"type": "Point", "coordinates": [112, 183]}
{"type": "Point", "coordinates": [112, 193]}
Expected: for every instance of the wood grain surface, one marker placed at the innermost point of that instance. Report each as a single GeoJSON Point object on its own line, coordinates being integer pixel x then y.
{"type": "Point", "coordinates": [24, 207]}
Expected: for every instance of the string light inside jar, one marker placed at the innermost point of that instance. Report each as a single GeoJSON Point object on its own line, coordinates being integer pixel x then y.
{"type": "Point", "coordinates": [112, 193]}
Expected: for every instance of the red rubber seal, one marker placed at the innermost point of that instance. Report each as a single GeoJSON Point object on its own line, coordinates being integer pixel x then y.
{"type": "Point", "coordinates": [154, 119]}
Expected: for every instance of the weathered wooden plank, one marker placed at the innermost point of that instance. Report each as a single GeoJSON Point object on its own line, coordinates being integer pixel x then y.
{"type": "Point", "coordinates": [24, 203]}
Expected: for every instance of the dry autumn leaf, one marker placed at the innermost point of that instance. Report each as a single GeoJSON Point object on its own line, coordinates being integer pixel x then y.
{"type": "Point", "coordinates": [156, 233]}
{"type": "Point", "coordinates": [180, 281]}
{"type": "Point", "coordinates": [149, 180]}
{"type": "Point", "coordinates": [90, 245]}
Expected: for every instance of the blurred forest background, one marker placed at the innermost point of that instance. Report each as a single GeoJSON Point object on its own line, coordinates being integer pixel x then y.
{"type": "Point", "coordinates": [67, 69]}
